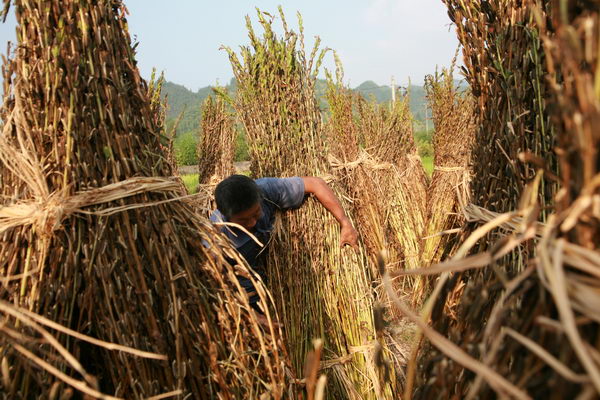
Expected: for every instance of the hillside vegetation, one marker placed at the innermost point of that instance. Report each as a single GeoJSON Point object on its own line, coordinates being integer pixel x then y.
{"type": "Point", "coordinates": [181, 99]}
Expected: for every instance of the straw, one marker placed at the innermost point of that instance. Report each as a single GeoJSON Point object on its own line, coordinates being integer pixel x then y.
{"type": "Point", "coordinates": [98, 233]}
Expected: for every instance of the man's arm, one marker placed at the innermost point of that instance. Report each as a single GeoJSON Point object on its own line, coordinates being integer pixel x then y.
{"type": "Point", "coordinates": [319, 188]}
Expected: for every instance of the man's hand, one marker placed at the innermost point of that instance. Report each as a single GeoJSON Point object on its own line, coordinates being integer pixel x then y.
{"type": "Point", "coordinates": [323, 193]}
{"type": "Point", "coordinates": [348, 235]}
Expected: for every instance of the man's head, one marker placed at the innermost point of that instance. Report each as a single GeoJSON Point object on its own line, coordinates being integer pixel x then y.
{"type": "Point", "coordinates": [238, 198]}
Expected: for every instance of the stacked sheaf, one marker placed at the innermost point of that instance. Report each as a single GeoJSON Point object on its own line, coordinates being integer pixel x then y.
{"type": "Point", "coordinates": [526, 311]}
{"type": "Point", "coordinates": [454, 122]}
{"type": "Point", "coordinates": [216, 144]}
{"type": "Point", "coordinates": [97, 237]}
{"type": "Point", "coordinates": [504, 67]}
{"type": "Point", "coordinates": [374, 156]}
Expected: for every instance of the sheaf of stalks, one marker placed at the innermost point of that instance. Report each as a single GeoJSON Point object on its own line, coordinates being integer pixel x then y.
{"type": "Point", "coordinates": [110, 283]}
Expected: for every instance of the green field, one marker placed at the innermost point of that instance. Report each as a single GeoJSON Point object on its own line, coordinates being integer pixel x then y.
{"type": "Point", "coordinates": [191, 182]}
{"type": "Point", "coordinates": [428, 164]}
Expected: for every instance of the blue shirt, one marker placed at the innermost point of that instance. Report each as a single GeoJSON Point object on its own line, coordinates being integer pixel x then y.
{"type": "Point", "coordinates": [277, 194]}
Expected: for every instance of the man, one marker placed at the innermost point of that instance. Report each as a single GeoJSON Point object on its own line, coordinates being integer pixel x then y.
{"type": "Point", "coordinates": [252, 204]}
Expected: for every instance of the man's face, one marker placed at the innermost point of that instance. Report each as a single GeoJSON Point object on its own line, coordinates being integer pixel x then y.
{"type": "Point", "coordinates": [247, 218]}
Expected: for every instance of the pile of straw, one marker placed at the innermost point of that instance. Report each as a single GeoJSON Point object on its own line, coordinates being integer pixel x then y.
{"type": "Point", "coordinates": [216, 149]}
{"type": "Point", "coordinates": [454, 122]}
{"type": "Point", "coordinates": [350, 165]}
{"type": "Point", "coordinates": [109, 282]}
{"type": "Point", "coordinates": [320, 290]}
{"type": "Point", "coordinates": [216, 144]}
{"type": "Point", "coordinates": [569, 251]}
{"type": "Point", "coordinates": [159, 111]}
{"type": "Point", "coordinates": [525, 320]}
{"type": "Point", "coordinates": [504, 66]}
{"type": "Point", "coordinates": [388, 136]}
{"type": "Point", "coordinates": [159, 108]}
{"type": "Point", "coordinates": [374, 156]}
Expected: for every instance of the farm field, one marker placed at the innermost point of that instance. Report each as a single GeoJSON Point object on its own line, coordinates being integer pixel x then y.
{"type": "Point", "coordinates": [191, 182]}
{"type": "Point", "coordinates": [461, 261]}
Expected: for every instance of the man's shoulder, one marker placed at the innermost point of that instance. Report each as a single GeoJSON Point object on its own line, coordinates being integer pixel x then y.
{"type": "Point", "coordinates": [266, 180]}
{"type": "Point", "coordinates": [269, 181]}
{"type": "Point", "coordinates": [284, 192]}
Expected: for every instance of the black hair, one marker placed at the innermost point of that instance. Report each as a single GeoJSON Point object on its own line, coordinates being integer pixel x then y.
{"type": "Point", "coordinates": [235, 194]}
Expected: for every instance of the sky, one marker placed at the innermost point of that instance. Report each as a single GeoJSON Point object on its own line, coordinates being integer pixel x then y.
{"type": "Point", "coordinates": [375, 39]}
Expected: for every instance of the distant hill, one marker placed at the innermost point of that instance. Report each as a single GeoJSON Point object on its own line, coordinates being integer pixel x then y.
{"type": "Point", "coordinates": [383, 94]}
{"type": "Point", "coordinates": [182, 99]}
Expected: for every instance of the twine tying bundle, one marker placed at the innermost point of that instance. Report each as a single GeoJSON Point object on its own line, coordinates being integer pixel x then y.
{"type": "Point", "coordinates": [475, 213]}
{"type": "Point", "coordinates": [47, 209]}
{"type": "Point", "coordinates": [46, 213]}
{"type": "Point", "coordinates": [449, 169]}
{"type": "Point", "coordinates": [364, 159]}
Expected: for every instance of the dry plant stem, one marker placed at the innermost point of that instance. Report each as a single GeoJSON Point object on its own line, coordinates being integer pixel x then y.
{"type": "Point", "coordinates": [470, 262]}
{"type": "Point", "coordinates": [88, 205]}
{"type": "Point", "coordinates": [492, 328]}
{"type": "Point", "coordinates": [79, 385]}
{"type": "Point", "coordinates": [8, 279]}
{"type": "Point", "coordinates": [547, 357]}
{"type": "Point", "coordinates": [311, 370]}
{"type": "Point", "coordinates": [320, 388]}
{"type": "Point", "coordinates": [555, 274]}
{"type": "Point", "coordinates": [166, 395]}
{"type": "Point", "coordinates": [494, 321]}
{"type": "Point", "coordinates": [453, 351]}
{"type": "Point", "coordinates": [429, 304]}
{"type": "Point", "coordinates": [52, 342]}
{"type": "Point", "coordinates": [19, 313]}
{"type": "Point", "coordinates": [238, 226]}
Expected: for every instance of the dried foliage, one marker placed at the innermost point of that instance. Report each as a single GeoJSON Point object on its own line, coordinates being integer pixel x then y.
{"type": "Point", "coordinates": [159, 110]}
{"type": "Point", "coordinates": [572, 55]}
{"type": "Point", "coordinates": [276, 87]}
{"type": "Point", "coordinates": [216, 144]}
{"type": "Point", "coordinates": [356, 170]}
{"type": "Point", "coordinates": [570, 255]}
{"type": "Point", "coordinates": [216, 149]}
{"type": "Point", "coordinates": [373, 153]}
{"type": "Point", "coordinates": [504, 66]}
{"type": "Point", "coordinates": [388, 136]}
{"type": "Point", "coordinates": [526, 322]}
{"type": "Point", "coordinates": [321, 290]}
{"type": "Point", "coordinates": [95, 243]}
{"type": "Point", "coordinates": [454, 122]}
